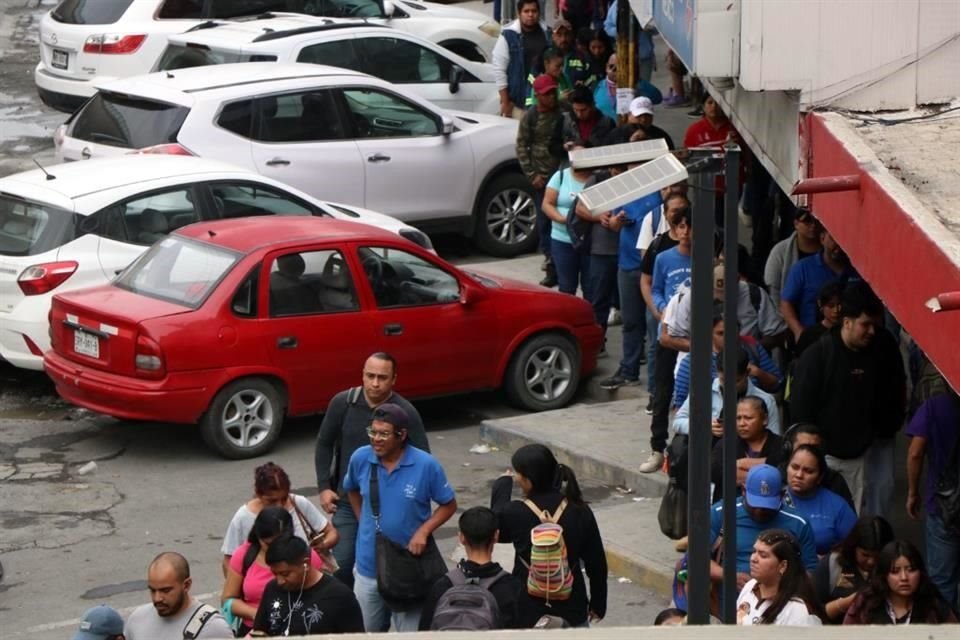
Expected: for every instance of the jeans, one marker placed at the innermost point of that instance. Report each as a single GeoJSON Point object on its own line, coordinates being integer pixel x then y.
{"type": "Point", "coordinates": [653, 340]}
{"type": "Point", "coordinates": [634, 314]}
{"type": "Point", "coordinates": [602, 284]}
{"type": "Point", "coordinates": [878, 481]}
{"type": "Point", "coordinates": [663, 398]}
{"type": "Point", "coordinates": [345, 552]}
{"type": "Point", "coordinates": [572, 268]}
{"type": "Point", "coordinates": [943, 558]}
{"type": "Point", "coordinates": [543, 223]}
{"type": "Point", "coordinates": [377, 616]}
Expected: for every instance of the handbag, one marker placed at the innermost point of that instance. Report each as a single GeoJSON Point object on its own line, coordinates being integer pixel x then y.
{"type": "Point", "coordinates": [315, 540]}
{"type": "Point", "coordinates": [403, 579]}
{"type": "Point", "coordinates": [672, 515]}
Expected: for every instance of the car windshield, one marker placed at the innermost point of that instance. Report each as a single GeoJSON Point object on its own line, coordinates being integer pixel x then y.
{"type": "Point", "coordinates": [183, 56]}
{"type": "Point", "coordinates": [178, 270]}
{"type": "Point", "coordinates": [28, 228]}
{"type": "Point", "coordinates": [126, 121]}
{"type": "Point", "coordinates": [329, 8]}
{"type": "Point", "coordinates": [90, 11]}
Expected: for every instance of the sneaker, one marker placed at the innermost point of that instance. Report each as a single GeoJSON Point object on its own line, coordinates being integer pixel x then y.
{"type": "Point", "coordinates": [614, 318]}
{"type": "Point", "coordinates": [649, 409]}
{"type": "Point", "coordinates": [675, 101]}
{"type": "Point", "coordinates": [653, 463]}
{"type": "Point", "coordinates": [545, 265]}
{"type": "Point", "coordinates": [615, 382]}
{"type": "Point", "coordinates": [696, 113]}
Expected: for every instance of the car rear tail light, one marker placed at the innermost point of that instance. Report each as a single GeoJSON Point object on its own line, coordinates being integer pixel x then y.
{"type": "Point", "coordinates": [114, 43]}
{"type": "Point", "coordinates": [43, 278]}
{"type": "Point", "coordinates": [148, 358]}
{"type": "Point", "coordinates": [172, 149]}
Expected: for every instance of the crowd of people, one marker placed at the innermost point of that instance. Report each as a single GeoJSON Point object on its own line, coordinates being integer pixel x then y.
{"type": "Point", "coordinates": [817, 351]}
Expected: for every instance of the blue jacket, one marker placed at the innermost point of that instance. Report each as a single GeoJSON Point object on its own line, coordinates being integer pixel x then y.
{"type": "Point", "coordinates": [518, 85]}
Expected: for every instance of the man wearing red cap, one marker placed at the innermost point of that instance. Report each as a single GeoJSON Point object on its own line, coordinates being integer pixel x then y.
{"type": "Point", "coordinates": [540, 152]}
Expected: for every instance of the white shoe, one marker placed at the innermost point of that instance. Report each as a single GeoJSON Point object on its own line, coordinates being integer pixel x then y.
{"type": "Point", "coordinates": [614, 318]}
{"type": "Point", "coordinates": [653, 464]}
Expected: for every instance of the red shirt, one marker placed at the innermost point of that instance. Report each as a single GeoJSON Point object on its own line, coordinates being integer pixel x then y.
{"type": "Point", "coordinates": [702, 133]}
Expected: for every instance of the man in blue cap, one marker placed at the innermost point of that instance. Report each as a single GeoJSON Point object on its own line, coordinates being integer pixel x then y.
{"type": "Point", "coordinates": [760, 508]}
{"type": "Point", "coordinates": [100, 623]}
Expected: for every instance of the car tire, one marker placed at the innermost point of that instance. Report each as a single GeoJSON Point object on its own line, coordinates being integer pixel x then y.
{"type": "Point", "coordinates": [544, 372]}
{"type": "Point", "coordinates": [244, 419]}
{"type": "Point", "coordinates": [506, 217]}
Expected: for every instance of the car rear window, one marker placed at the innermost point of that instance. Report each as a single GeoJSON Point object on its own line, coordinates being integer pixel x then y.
{"type": "Point", "coordinates": [125, 121]}
{"type": "Point", "coordinates": [90, 11]}
{"type": "Point", "coordinates": [331, 8]}
{"type": "Point", "coordinates": [178, 270]}
{"type": "Point", "coordinates": [178, 56]}
{"type": "Point", "coordinates": [28, 228]}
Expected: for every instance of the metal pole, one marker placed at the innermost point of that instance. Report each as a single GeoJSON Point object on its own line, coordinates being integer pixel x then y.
{"type": "Point", "coordinates": [731, 348]}
{"type": "Point", "coordinates": [698, 501]}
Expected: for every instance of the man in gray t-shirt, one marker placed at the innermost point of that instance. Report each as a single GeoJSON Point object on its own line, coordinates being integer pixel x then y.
{"type": "Point", "coordinates": [343, 431]}
{"type": "Point", "coordinates": [601, 288]}
{"type": "Point", "coordinates": [173, 609]}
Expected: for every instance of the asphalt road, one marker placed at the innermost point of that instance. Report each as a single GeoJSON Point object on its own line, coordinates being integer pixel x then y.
{"type": "Point", "coordinates": [70, 541]}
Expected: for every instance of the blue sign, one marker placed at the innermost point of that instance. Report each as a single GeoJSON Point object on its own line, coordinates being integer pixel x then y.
{"type": "Point", "coordinates": [674, 20]}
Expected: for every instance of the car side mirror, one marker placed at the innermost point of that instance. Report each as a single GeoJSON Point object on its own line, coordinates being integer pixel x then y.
{"type": "Point", "coordinates": [389, 8]}
{"type": "Point", "coordinates": [448, 125]}
{"type": "Point", "coordinates": [456, 75]}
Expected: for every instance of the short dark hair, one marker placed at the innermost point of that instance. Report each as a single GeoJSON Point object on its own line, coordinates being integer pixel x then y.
{"type": "Point", "coordinates": [478, 526]}
{"type": "Point", "coordinates": [582, 95]}
{"type": "Point", "coordinates": [288, 548]}
{"type": "Point", "coordinates": [181, 568]}
{"type": "Point", "coordinates": [858, 299]}
{"type": "Point", "coordinates": [683, 215]}
{"type": "Point", "coordinates": [522, 3]}
{"type": "Point", "coordinates": [386, 357]}
{"type": "Point", "coordinates": [551, 53]}
{"type": "Point", "coordinates": [743, 361]}
{"type": "Point", "coordinates": [831, 290]}
{"type": "Point", "coordinates": [758, 404]}
{"type": "Point", "coordinates": [802, 427]}
{"type": "Point", "coordinates": [666, 614]}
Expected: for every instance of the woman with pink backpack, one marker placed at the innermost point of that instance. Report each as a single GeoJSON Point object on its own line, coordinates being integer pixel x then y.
{"type": "Point", "coordinates": [553, 532]}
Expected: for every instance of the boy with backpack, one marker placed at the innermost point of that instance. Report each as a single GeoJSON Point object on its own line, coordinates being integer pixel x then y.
{"type": "Point", "coordinates": [477, 595]}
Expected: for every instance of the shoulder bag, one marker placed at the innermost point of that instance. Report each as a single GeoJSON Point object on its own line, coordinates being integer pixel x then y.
{"type": "Point", "coordinates": [403, 579]}
{"type": "Point", "coordinates": [315, 540]}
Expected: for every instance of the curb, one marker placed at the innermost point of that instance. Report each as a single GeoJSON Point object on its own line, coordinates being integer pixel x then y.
{"type": "Point", "coordinates": [653, 485]}
{"type": "Point", "coordinates": [621, 562]}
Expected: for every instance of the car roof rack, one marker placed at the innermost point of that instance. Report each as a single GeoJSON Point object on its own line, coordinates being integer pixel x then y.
{"type": "Point", "coordinates": [327, 26]}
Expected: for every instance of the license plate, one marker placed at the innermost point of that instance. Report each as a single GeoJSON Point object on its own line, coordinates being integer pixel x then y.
{"type": "Point", "coordinates": [59, 59]}
{"type": "Point", "coordinates": [86, 344]}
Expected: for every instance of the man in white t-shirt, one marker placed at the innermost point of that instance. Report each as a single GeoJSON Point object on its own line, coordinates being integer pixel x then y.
{"type": "Point", "coordinates": [173, 611]}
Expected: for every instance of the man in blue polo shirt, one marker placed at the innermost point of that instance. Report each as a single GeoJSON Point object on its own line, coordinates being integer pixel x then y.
{"type": "Point", "coordinates": [798, 298]}
{"type": "Point", "coordinates": [761, 508]}
{"type": "Point", "coordinates": [409, 480]}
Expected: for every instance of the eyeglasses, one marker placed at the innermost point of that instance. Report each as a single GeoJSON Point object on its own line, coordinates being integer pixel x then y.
{"type": "Point", "coordinates": [378, 435]}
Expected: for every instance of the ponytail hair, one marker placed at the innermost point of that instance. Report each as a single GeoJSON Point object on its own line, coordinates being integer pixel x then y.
{"type": "Point", "coordinates": [538, 465]}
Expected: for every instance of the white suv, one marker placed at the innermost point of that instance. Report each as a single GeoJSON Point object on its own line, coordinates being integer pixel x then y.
{"type": "Point", "coordinates": [336, 134]}
{"type": "Point", "coordinates": [427, 69]}
{"type": "Point", "coordinates": [83, 42]}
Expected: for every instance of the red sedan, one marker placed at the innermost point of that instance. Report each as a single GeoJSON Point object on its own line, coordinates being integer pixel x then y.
{"type": "Point", "coordinates": [235, 324]}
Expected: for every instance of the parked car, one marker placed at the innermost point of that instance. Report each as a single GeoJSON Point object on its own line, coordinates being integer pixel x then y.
{"type": "Point", "coordinates": [425, 68]}
{"type": "Point", "coordinates": [84, 42]}
{"type": "Point", "coordinates": [334, 133]}
{"type": "Point", "coordinates": [236, 324]}
{"type": "Point", "coordinates": [88, 221]}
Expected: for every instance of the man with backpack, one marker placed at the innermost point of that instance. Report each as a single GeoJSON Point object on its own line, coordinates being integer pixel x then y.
{"type": "Point", "coordinates": [478, 595]}
{"type": "Point", "coordinates": [343, 431]}
{"type": "Point", "coordinates": [933, 435]}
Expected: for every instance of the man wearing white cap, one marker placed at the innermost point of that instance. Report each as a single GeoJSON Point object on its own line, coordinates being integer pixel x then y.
{"type": "Point", "coordinates": [639, 125]}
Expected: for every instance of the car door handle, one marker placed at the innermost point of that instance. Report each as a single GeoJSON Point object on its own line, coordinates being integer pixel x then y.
{"type": "Point", "coordinates": [378, 157]}
{"type": "Point", "coordinates": [393, 329]}
{"type": "Point", "coordinates": [85, 153]}
{"type": "Point", "coordinates": [287, 342]}
{"type": "Point", "coordinates": [275, 162]}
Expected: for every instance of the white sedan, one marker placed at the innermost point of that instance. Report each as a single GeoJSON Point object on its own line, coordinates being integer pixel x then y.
{"type": "Point", "coordinates": [78, 225]}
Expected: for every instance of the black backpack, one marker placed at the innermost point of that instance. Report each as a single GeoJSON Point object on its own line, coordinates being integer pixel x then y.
{"type": "Point", "coordinates": [468, 605]}
{"type": "Point", "coordinates": [946, 493]}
